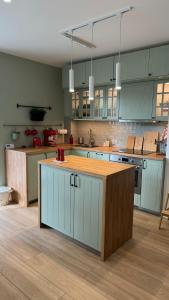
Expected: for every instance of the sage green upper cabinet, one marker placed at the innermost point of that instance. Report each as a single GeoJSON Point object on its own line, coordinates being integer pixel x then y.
{"type": "Point", "coordinates": [159, 61]}
{"type": "Point", "coordinates": [136, 101]}
{"type": "Point", "coordinates": [80, 77]}
{"type": "Point", "coordinates": [103, 70]}
{"type": "Point", "coordinates": [134, 65]}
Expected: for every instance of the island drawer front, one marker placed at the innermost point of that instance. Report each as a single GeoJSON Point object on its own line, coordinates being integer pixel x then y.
{"type": "Point", "coordinates": [57, 199]}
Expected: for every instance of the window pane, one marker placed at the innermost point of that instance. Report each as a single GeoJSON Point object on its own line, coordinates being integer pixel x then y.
{"type": "Point", "coordinates": [159, 87]}
{"type": "Point", "coordinates": [101, 93]}
{"type": "Point", "coordinates": [159, 99]}
{"type": "Point", "coordinates": [110, 92]}
{"type": "Point", "coordinates": [115, 92]}
{"type": "Point", "coordinates": [166, 98]}
{"type": "Point", "coordinates": [158, 112]}
{"type": "Point", "coordinates": [166, 87]}
{"type": "Point", "coordinates": [165, 112]}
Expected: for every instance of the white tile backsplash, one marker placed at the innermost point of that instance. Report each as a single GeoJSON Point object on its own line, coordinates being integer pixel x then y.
{"type": "Point", "coordinates": [116, 132]}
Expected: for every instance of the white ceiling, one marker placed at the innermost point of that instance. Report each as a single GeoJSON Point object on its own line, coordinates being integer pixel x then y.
{"type": "Point", "coordinates": [31, 28]}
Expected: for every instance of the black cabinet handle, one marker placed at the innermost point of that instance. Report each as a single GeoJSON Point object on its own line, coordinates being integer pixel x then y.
{"type": "Point", "coordinates": [99, 153]}
{"type": "Point", "coordinates": [149, 74]}
{"type": "Point", "coordinates": [76, 181]}
{"type": "Point", "coordinates": [111, 79]}
{"type": "Point", "coordinates": [71, 175]}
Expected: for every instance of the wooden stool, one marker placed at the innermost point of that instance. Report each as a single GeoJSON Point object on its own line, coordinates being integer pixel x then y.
{"type": "Point", "coordinates": [165, 211]}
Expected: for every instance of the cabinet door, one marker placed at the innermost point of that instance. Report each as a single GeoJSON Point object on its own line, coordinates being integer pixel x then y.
{"type": "Point", "coordinates": [159, 61]}
{"type": "Point", "coordinates": [99, 155]}
{"type": "Point", "coordinates": [134, 65]}
{"type": "Point", "coordinates": [136, 101]}
{"type": "Point", "coordinates": [80, 74]}
{"type": "Point", "coordinates": [57, 199]}
{"type": "Point", "coordinates": [88, 210]}
{"type": "Point", "coordinates": [51, 154]}
{"type": "Point", "coordinates": [103, 70]}
{"type": "Point", "coordinates": [112, 103]}
{"type": "Point", "coordinates": [152, 184]}
{"type": "Point", "coordinates": [32, 173]}
{"type": "Point", "coordinates": [79, 153]}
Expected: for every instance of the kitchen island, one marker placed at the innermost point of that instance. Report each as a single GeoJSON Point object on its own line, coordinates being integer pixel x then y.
{"type": "Point", "coordinates": [88, 200]}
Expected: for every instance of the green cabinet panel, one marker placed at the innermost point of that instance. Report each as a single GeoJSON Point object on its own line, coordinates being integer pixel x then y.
{"type": "Point", "coordinates": [137, 200]}
{"type": "Point", "coordinates": [73, 210]}
{"type": "Point", "coordinates": [87, 211]}
{"type": "Point", "coordinates": [152, 185]}
{"type": "Point", "coordinates": [99, 155]}
{"type": "Point", "coordinates": [79, 152]}
{"type": "Point", "coordinates": [32, 173]}
{"type": "Point", "coordinates": [103, 70]}
{"type": "Point", "coordinates": [159, 61]}
{"type": "Point", "coordinates": [136, 101]}
{"type": "Point", "coordinates": [57, 199]}
{"type": "Point", "coordinates": [51, 154]}
{"type": "Point", "coordinates": [134, 65]}
{"type": "Point", "coordinates": [80, 77]}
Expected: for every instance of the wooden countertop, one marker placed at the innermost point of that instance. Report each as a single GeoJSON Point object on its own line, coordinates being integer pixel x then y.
{"type": "Point", "coordinates": [87, 165]}
{"type": "Point", "coordinates": [108, 150]}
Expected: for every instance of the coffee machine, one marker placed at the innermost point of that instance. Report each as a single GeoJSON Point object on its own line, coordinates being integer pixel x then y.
{"type": "Point", "coordinates": [50, 137]}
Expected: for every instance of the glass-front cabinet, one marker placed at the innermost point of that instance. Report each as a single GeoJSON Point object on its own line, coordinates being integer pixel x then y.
{"type": "Point", "coordinates": [104, 106]}
{"type": "Point", "coordinates": [162, 100]}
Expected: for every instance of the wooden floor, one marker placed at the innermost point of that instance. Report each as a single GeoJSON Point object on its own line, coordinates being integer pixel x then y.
{"type": "Point", "coordinates": [41, 264]}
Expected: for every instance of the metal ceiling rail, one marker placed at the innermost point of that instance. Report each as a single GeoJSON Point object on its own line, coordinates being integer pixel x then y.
{"type": "Point", "coordinates": [98, 19]}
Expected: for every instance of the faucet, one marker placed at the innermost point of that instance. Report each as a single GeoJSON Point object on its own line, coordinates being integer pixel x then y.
{"type": "Point", "coordinates": [91, 138]}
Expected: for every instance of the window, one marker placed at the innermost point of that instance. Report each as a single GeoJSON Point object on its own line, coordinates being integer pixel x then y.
{"type": "Point", "coordinates": [162, 99]}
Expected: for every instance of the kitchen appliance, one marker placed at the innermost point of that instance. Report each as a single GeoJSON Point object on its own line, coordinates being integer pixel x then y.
{"type": "Point", "coordinates": [80, 140]}
{"type": "Point", "coordinates": [37, 142]}
{"type": "Point", "coordinates": [139, 165]}
{"type": "Point", "coordinates": [50, 137]}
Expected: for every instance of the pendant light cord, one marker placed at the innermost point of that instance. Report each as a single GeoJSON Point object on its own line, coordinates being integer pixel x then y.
{"type": "Point", "coordinates": [120, 35]}
{"type": "Point", "coordinates": [71, 58]}
{"type": "Point", "coordinates": [92, 26]}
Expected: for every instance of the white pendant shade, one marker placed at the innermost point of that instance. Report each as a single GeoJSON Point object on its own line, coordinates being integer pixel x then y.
{"type": "Point", "coordinates": [71, 81]}
{"type": "Point", "coordinates": [118, 76]}
{"type": "Point", "coordinates": [91, 87]}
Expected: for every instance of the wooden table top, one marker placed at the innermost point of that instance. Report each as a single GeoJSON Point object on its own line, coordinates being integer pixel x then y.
{"type": "Point", "coordinates": [88, 166]}
{"type": "Point", "coordinates": [108, 150]}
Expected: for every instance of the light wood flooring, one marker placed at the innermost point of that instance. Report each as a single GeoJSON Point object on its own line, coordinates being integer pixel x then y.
{"type": "Point", "coordinates": [41, 264]}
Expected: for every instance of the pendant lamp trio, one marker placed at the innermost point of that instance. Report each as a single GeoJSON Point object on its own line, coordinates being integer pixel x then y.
{"type": "Point", "coordinates": [91, 77]}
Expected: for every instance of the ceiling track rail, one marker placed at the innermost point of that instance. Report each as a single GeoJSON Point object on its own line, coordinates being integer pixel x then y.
{"type": "Point", "coordinates": [69, 32]}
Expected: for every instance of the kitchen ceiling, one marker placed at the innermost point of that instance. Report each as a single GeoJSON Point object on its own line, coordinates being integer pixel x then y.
{"type": "Point", "coordinates": [31, 28]}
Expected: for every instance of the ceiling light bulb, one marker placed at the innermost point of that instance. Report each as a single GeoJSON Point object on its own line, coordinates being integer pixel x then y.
{"type": "Point", "coordinates": [118, 76]}
{"type": "Point", "coordinates": [71, 81]}
{"type": "Point", "coordinates": [91, 87]}
{"type": "Point", "coordinates": [7, 1]}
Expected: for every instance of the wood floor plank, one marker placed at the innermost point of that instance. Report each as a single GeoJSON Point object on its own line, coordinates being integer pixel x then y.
{"type": "Point", "coordinates": [42, 264]}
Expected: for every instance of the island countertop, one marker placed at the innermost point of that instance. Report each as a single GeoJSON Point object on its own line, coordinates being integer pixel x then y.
{"type": "Point", "coordinates": [87, 165]}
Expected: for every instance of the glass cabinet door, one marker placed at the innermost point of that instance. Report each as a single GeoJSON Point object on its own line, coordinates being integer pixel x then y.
{"type": "Point", "coordinates": [162, 100]}
{"type": "Point", "coordinates": [98, 104]}
{"type": "Point", "coordinates": [75, 105]}
{"type": "Point", "coordinates": [86, 113]}
{"type": "Point", "coordinates": [111, 103]}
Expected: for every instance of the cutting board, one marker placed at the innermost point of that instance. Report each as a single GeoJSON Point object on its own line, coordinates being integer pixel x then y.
{"type": "Point", "coordinates": [138, 144]}
{"type": "Point", "coordinates": [130, 142]}
{"type": "Point", "coordinates": [149, 141]}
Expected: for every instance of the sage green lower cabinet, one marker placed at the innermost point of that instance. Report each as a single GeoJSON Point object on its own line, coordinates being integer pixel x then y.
{"type": "Point", "coordinates": [57, 199]}
{"type": "Point", "coordinates": [87, 210]}
{"type": "Point", "coordinates": [51, 154]}
{"type": "Point", "coordinates": [32, 170]}
{"type": "Point", "coordinates": [99, 155]}
{"type": "Point", "coordinates": [79, 153]}
{"type": "Point", "coordinates": [152, 185]}
{"type": "Point", "coordinates": [72, 204]}
{"type": "Point", "coordinates": [137, 200]}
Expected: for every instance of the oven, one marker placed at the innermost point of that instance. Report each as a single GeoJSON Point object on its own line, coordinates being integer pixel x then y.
{"type": "Point", "coordinates": [137, 162]}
